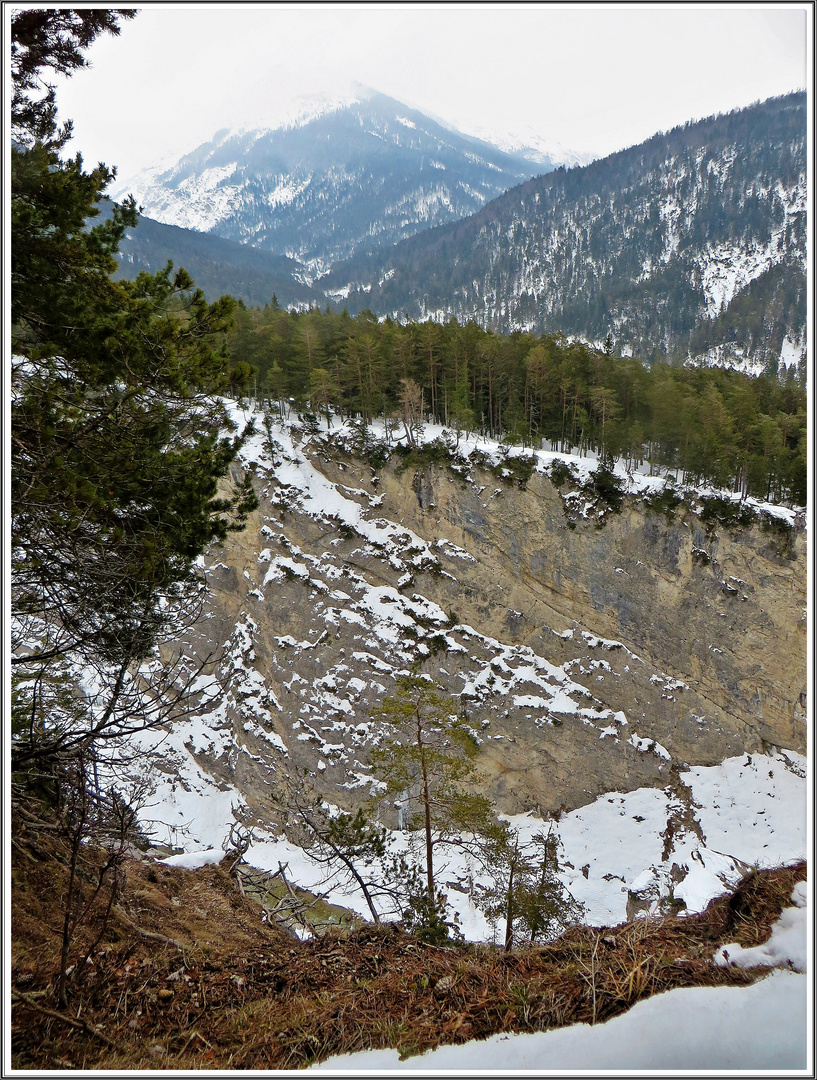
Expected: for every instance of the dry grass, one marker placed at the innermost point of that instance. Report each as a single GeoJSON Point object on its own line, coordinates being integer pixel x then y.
{"type": "Point", "coordinates": [231, 993]}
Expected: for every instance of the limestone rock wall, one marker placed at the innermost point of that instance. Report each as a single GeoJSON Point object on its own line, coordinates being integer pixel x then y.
{"type": "Point", "coordinates": [589, 658]}
{"type": "Point", "coordinates": [723, 610]}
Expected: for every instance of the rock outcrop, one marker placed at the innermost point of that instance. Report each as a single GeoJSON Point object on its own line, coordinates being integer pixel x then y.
{"type": "Point", "coordinates": [586, 656]}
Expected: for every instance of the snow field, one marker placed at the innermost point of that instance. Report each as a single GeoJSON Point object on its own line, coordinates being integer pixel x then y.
{"type": "Point", "coordinates": [610, 848]}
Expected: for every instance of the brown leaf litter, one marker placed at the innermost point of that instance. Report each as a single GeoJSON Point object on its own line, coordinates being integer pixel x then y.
{"type": "Point", "coordinates": [186, 976]}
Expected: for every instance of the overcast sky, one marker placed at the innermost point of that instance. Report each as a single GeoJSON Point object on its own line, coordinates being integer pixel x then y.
{"type": "Point", "coordinates": [591, 78]}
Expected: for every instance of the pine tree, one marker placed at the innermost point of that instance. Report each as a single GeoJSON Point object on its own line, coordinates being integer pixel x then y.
{"type": "Point", "coordinates": [119, 437]}
{"type": "Point", "coordinates": [50, 39]}
{"type": "Point", "coordinates": [461, 413]}
{"type": "Point", "coordinates": [526, 891]}
{"type": "Point", "coordinates": [606, 409]}
{"type": "Point", "coordinates": [431, 767]}
{"type": "Point", "coordinates": [354, 852]}
{"type": "Point", "coordinates": [323, 392]}
{"type": "Point", "coordinates": [411, 411]}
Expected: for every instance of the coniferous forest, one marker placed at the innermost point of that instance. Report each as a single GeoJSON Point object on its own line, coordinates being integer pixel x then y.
{"type": "Point", "coordinates": [716, 426]}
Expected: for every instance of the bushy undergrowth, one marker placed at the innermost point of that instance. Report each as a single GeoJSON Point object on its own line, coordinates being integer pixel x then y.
{"type": "Point", "coordinates": [561, 472]}
{"type": "Point", "coordinates": [444, 451]}
{"type": "Point", "coordinates": [515, 469]}
{"type": "Point", "coordinates": [607, 488]}
{"type": "Point", "coordinates": [666, 501]}
{"type": "Point", "coordinates": [435, 452]}
{"type": "Point", "coordinates": [717, 510]}
{"type": "Point", "coordinates": [600, 495]}
{"type": "Point", "coordinates": [780, 531]}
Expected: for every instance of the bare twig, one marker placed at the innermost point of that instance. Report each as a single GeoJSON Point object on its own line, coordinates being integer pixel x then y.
{"type": "Point", "coordinates": [152, 935]}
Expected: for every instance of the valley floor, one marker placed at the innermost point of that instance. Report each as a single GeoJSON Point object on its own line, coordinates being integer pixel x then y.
{"type": "Point", "coordinates": [722, 820]}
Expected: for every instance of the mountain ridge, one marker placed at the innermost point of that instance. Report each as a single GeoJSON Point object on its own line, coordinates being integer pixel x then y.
{"type": "Point", "coordinates": [347, 180]}
{"type": "Point", "coordinates": [218, 266]}
{"type": "Point", "coordinates": [688, 246]}
{"type": "Point", "coordinates": [550, 255]}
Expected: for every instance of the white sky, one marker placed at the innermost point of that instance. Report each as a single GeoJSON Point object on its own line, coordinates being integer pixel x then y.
{"type": "Point", "coordinates": [589, 77]}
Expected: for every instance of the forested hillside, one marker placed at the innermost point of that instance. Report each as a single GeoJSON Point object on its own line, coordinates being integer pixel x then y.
{"type": "Point", "coordinates": [691, 244]}
{"type": "Point", "coordinates": [219, 267]}
{"type": "Point", "coordinates": [714, 425]}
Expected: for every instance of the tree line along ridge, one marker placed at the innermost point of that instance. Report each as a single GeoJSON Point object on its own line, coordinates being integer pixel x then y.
{"type": "Point", "coordinates": [716, 425]}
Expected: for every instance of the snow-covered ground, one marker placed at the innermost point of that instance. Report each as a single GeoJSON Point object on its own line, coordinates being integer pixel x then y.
{"type": "Point", "coordinates": [706, 1029]}
{"type": "Point", "coordinates": [636, 481]}
{"type": "Point", "coordinates": [751, 811]}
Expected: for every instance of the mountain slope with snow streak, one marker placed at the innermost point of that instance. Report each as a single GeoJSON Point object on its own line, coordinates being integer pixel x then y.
{"type": "Point", "coordinates": [338, 179]}
{"type": "Point", "coordinates": [690, 245]}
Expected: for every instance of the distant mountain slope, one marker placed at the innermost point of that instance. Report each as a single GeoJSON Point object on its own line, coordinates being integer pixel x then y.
{"type": "Point", "coordinates": [217, 266]}
{"type": "Point", "coordinates": [360, 176]}
{"type": "Point", "coordinates": [693, 242]}
{"type": "Point", "coordinates": [528, 142]}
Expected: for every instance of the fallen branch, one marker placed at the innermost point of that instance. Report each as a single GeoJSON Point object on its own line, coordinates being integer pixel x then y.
{"type": "Point", "coordinates": [151, 935]}
{"type": "Point", "coordinates": [32, 819]}
{"type": "Point", "coordinates": [159, 937]}
{"type": "Point", "coordinates": [17, 995]}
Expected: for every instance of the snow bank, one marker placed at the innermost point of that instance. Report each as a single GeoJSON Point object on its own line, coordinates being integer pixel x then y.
{"type": "Point", "coordinates": [786, 944]}
{"type": "Point", "coordinates": [192, 860]}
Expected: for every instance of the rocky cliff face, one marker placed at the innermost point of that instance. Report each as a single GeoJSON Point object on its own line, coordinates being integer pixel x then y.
{"type": "Point", "coordinates": [587, 656]}
{"type": "Point", "coordinates": [723, 610]}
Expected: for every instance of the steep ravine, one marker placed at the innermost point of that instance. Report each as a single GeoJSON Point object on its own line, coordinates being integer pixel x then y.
{"type": "Point", "coordinates": [588, 659]}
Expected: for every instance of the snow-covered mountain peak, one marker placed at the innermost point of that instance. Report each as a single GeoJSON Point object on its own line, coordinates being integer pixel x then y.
{"type": "Point", "coordinates": [260, 121]}
{"type": "Point", "coordinates": [328, 178]}
{"type": "Point", "coordinates": [300, 111]}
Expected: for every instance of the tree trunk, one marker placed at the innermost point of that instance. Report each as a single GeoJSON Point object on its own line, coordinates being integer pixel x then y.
{"type": "Point", "coordinates": [61, 994]}
{"type": "Point", "coordinates": [509, 913]}
{"type": "Point", "coordinates": [427, 816]}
